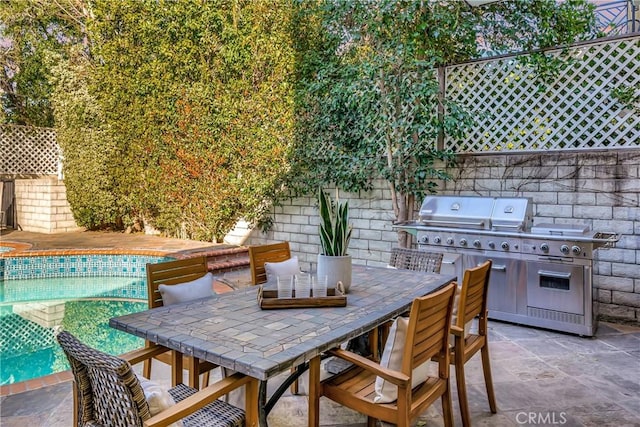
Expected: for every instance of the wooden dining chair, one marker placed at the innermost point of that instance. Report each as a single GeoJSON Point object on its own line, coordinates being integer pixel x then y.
{"type": "Point", "coordinates": [416, 260]}
{"type": "Point", "coordinates": [472, 304]}
{"type": "Point", "coordinates": [427, 337]}
{"type": "Point", "coordinates": [107, 392]}
{"type": "Point", "coordinates": [174, 273]}
{"type": "Point", "coordinates": [373, 341]}
{"type": "Point", "coordinates": [408, 259]}
{"type": "Point", "coordinates": [258, 255]}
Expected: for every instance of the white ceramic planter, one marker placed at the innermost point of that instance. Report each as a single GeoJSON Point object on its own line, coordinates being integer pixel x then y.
{"type": "Point", "coordinates": [337, 269]}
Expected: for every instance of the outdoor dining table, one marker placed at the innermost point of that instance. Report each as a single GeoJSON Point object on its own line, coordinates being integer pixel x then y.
{"type": "Point", "coordinates": [231, 330]}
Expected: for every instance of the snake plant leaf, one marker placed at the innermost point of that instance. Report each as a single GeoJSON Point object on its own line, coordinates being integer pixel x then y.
{"type": "Point", "coordinates": [335, 231]}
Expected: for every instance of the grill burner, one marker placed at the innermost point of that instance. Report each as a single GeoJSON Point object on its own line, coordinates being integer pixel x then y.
{"type": "Point", "coordinates": [541, 275]}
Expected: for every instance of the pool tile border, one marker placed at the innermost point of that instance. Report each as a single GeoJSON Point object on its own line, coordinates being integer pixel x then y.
{"type": "Point", "coordinates": [44, 264]}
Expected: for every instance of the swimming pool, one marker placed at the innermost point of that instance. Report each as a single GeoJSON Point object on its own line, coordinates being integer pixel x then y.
{"type": "Point", "coordinates": [78, 293]}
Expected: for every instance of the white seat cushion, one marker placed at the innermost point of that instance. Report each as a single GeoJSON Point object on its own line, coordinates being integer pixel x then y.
{"type": "Point", "coordinates": [386, 391]}
{"type": "Point", "coordinates": [158, 398]}
{"type": "Point", "coordinates": [275, 269]}
{"type": "Point", "coordinates": [199, 288]}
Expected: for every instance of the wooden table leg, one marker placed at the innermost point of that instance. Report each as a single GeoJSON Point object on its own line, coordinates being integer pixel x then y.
{"type": "Point", "coordinates": [373, 344]}
{"type": "Point", "coordinates": [251, 403]}
{"type": "Point", "coordinates": [176, 368]}
{"type": "Point", "coordinates": [314, 392]}
{"type": "Point", "coordinates": [194, 373]}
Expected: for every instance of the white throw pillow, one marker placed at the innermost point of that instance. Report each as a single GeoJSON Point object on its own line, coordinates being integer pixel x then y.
{"type": "Point", "coordinates": [199, 288]}
{"type": "Point", "coordinates": [275, 269]}
{"type": "Point", "coordinates": [157, 397]}
{"type": "Point", "coordinates": [386, 391]}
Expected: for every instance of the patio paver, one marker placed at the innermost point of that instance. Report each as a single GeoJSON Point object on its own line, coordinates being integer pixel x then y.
{"type": "Point", "coordinates": [540, 377]}
{"type": "Point", "coordinates": [583, 382]}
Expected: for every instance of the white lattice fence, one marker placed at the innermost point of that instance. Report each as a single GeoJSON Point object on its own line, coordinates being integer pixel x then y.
{"type": "Point", "coordinates": [26, 150]}
{"type": "Point", "coordinates": [575, 111]}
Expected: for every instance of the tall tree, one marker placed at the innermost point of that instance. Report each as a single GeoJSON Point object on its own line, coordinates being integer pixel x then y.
{"type": "Point", "coordinates": [31, 31]}
{"type": "Point", "coordinates": [369, 102]}
{"type": "Point", "coordinates": [195, 107]}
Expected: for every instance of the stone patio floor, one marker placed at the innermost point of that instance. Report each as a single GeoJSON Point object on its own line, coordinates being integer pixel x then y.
{"type": "Point", "coordinates": [540, 377]}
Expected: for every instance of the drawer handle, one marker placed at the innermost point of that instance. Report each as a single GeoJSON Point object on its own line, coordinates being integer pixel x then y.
{"type": "Point", "coordinates": [554, 274]}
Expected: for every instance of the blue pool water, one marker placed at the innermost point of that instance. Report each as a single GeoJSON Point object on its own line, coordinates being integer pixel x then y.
{"type": "Point", "coordinates": [36, 300]}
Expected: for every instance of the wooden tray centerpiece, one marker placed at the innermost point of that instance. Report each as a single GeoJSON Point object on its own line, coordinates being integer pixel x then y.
{"type": "Point", "coordinates": [268, 299]}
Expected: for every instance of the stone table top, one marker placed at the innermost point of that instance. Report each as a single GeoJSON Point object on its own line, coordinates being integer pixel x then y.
{"type": "Point", "coordinates": [232, 330]}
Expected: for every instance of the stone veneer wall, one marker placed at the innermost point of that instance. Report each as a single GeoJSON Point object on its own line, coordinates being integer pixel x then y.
{"type": "Point", "coordinates": [598, 188]}
{"type": "Point", "coordinates": [42, 206]}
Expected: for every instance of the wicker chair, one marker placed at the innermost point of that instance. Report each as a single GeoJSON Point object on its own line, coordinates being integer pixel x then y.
{"type": "Point", "coordinates": [106, 392]}
{"type": "Point", "coordinates": [411, 259]}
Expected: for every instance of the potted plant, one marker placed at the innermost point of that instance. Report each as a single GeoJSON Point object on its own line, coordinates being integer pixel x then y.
{"type": "Point", "coordinates": [335, 234]}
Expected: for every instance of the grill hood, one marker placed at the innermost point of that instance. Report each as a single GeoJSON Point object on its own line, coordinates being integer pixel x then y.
{"type": "Point", "coordinates": [515, 214]}
{"type": "Point", "coordinates": [480, 213]}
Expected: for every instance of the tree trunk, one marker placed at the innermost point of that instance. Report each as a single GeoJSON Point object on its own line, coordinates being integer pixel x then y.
{"type": "Point", "coordinates": [405, 204]}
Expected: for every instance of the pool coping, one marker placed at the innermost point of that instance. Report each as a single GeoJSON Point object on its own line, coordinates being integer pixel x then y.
{"type": "Point", "coordinates": [35, 383]}
{"type": "Point", "coordinates": [18, 247]}
{"type": "Point", "coordinates": [24, 250]}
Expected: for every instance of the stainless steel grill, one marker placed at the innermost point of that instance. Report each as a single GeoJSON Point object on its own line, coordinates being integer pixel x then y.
{"type": "Point", "coordinates": [542, 274]}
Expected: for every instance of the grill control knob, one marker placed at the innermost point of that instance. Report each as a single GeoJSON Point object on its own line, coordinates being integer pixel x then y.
{"type": "Point", "coordinates": [544, 247]}
{"type": "Point", "coordinates": [492, 245]}
{"type": "Point", "coordinates": [576, 250]}
{"type": "Point", "coordinates": [437, 239]}
{"type": "Point", "coordinates": [463, 242]}
{"type": "Point", "coordinates": [424, 239]}
{"type": "Point", "coordinates": [505, 246]}
{"type": "Point", "coordinates": [450, 240]}
{"type": "Point", "coordinates": [476, 243]}
{"type": "Point", "coordinates": [564, 249]}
